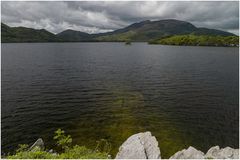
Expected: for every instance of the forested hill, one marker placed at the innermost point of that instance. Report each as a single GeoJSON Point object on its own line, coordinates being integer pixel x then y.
{"type": "Point", "coordinates": [23, 34]}
{"type": "Point", "coordinates": [198, 40]}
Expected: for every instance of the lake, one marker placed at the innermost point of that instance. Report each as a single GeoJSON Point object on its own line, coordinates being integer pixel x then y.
{"type": "Point", "coordinates": [183, 95]}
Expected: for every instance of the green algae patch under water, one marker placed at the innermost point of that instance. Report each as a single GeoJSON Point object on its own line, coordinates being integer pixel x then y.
{"type": "Point", "coordinates": [126, 114]}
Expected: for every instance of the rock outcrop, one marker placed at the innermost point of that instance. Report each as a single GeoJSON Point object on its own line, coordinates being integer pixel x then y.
{"type": "Point", "coordinates": [145, 146]}
{"type": "Point", "coordinates": [139, 146]}
{"type": "Point", "coordinates": [224, 153]}
{"type": "Point", "coordinates": [39, 143]}
{"type": "Point", "coordinates": [190, 153]}
{"type": "Point", "coordinates": [213, 153]}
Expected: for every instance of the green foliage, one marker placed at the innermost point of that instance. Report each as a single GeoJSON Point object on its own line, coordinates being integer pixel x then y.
{"type": "Point", "coordinates": [36, 154]}
{"type": "Point", "coordinates": [103, 146]}
{"type": "Point", "coordinates": [22, 147]}
{"type": "Point", "coordinates": [76, 152]}
{"type": "Point", "coordinates": [63, 141]}
{"type": "Point", "coordinates": [81, 152]}
{"type": "Point", "coordinates": [194, 40]}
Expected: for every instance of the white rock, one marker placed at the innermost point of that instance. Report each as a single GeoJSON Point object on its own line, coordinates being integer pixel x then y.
{"type": "Point", "coordinates": [225, 153]}
{"type": "Point", "coordinates": [150, 144]}
{"type": "Point", "coordinates": [131, 149]}
{"type": "Point", "coordinates": [39, 143]}
{"type": "Point", "coordinates": [235, 154]}
{"type": "Point", "coordinates": [212, 152]}
{"type": "Point", "coordinates": [139, 146]}
{"type": "Point", "coordinates": [190, 153]}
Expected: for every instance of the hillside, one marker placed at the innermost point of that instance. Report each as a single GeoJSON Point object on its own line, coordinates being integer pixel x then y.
{"type": "Point", "coordinates": [198, 40]}
{"type": "Point", "coordinates": [73, 36]}
{"type": "Point", "coordinates": [23, 34]}
{"type": "Point", "coordinates": [150, 30]}
{"type": "Point", "coordinates": [144, 31]}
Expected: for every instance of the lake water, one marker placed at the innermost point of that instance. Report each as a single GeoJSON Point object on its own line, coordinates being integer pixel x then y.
{"type": "Point", "coordinates": [183, 95]}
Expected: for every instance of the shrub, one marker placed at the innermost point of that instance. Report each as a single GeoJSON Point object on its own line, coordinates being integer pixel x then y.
{"type": "Point", "coordinates": [202, 40]}
{"type": "Point", "coordinates": [63, 141]}
{"type": "Point", "coordinates": [36, 154]}
{"type": "Point", "coordinates": [67, 151]}
{"type": "Point", "coordinates": [81, 152]}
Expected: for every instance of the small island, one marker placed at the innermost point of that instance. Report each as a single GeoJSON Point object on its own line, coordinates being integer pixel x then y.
{"type": "Point", "coordinates": [128, 42]}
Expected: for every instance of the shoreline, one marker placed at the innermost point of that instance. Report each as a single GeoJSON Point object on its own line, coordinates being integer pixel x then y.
{"type": "Point", "coordinates": [142, 145]}
{"type": "Point", "coordinates": [121, 42]}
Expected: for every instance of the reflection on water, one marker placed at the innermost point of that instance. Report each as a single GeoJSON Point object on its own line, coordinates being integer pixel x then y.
{"type": "Point", "coordinates": [183, 95]}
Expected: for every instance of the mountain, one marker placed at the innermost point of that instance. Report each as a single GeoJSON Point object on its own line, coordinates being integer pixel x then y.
{"type": "Point", "coordinates": [73, 36]}
{"type": "Point", "coordinates": [23, 34]}
{"type": "Point", "coordinates": [150, 30]}
{"type": "Point", "coordinates": [147, 30]}
{"type": "Point", "coordinates": [142, 31]}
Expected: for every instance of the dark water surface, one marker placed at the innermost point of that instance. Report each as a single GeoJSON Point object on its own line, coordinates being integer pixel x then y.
{"type": "Point", "coordinates": [183, 95]}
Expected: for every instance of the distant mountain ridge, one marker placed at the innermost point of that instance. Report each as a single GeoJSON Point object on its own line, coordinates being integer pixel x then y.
{"type": "Point", "coordinates": [23, 34]}
{"type": "Point", "coordinates": [149, 30]}
{"type": "Point", "coordinates": [71, 35]}
{"type": "Point", "coordinates": [141, 32]}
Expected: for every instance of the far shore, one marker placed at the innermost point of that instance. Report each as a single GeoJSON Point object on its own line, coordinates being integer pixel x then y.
{"type": "Point", "coordinates": [118, 42]}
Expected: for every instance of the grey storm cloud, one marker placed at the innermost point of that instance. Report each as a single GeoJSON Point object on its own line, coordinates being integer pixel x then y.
{"type": "Point", "coordinates": [103, 16]}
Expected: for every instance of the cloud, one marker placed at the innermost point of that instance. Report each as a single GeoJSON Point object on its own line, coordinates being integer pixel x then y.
{"type": "Point", "coordinates": [103, 16]}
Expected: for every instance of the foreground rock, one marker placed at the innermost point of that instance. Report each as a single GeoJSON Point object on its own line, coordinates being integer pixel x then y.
{"type": "Point", "coordinates": [39, 143]}
{"type": "Point", "coordinates": [145, 146]}
{"type": "Point", "coordinates": [212, 153]}
{"type": "Point", "coordinates": [224, 153]}
{"type": "Point", "coordinates": [190, 153]}
{"type": "Point", "coordinates": [139, 146]}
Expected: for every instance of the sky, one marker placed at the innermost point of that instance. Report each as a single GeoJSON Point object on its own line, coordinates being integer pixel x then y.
{"type": "Point", "coordinates": [104, 16]}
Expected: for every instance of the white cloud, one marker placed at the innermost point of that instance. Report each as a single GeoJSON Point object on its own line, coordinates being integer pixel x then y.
{"type": "Point", "coordinates": [102, 16]}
